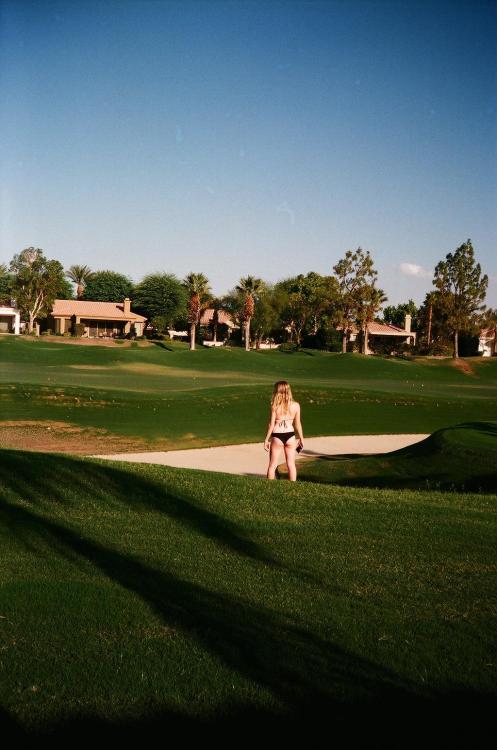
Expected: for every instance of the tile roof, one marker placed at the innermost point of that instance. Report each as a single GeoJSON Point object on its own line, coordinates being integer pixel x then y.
{"type": "Point", "coordinates": [385, 329]}
{"type": "Point", "coordinates": [382, 329]}
{"type": "Point", "coordinates": [223, 317]}
{"type": "Point", "coordinates": [65, 308]}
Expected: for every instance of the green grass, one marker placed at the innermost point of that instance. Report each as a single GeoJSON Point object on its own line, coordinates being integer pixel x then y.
{"type": "Point", "coordinates": [208, 397]}
{"type": "Point", "coordinates": [136, 595]}
{"type": "Point", "coordinates": [463, 457]}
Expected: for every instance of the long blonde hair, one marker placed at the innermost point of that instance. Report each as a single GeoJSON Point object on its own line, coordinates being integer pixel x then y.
{"type": "Point", "coordinates": [282, 396]}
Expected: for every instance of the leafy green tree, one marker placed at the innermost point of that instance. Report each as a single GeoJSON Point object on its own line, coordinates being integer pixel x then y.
{"type": "Point", "coordinates": [65, 290]}
{"type": "Point", "coordinates": [433, 335]}
{"type": "Point", "coordinates": [80, 275]}
{"type": "Point", "coordinates": [309, 299]}
{"type": "Point", "coordinates": [249, 288]}
{"type": "Point", "coordinates": [354, 273]}
{"type": "Point", "coordinates": [6, 285]}
{"type": "Point", "coordinates": [108, 286]}
{"type": "Point", "coordinates": [197, 286]}
{"type": "Point", "coordinates": [161, 298]}
{"type": "Point", "coordinates": [396, 314]}
{"type": "Point", "coordinates": [462, 288]}
{"type": "Point", "coordinates": [267, 318]}
{"type": "Point", "coordinates": [36, 283]}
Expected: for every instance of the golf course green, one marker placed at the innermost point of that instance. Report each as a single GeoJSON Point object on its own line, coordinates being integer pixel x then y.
{"type": "Point", "coordinates": [141, 599]}
{"type": "Point", "coordinates": [164, 397]}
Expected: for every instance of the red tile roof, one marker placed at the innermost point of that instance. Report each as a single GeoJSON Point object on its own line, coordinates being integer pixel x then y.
{"type": "Point", "coordinates": [65, 308]}
{"type": "Point", "coordinates": [223, 317]}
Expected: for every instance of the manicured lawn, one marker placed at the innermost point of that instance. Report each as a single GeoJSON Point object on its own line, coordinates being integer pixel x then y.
{"type": "Point", "coordinates": [454, 458]}
{"type": "Point", "coordinates": [157, 397]}
{"type": "Point", "coordinates": [148, 595]}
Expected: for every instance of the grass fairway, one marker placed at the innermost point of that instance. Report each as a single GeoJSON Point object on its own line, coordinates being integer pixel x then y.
{"type": "Point", "coordinates": [90, 399]}
{"type": "Point", "coordinates": [136, 596]}
{"type": "Point", "coordinates": [463, 457]}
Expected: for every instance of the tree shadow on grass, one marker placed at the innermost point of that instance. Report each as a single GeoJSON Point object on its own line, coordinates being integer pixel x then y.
{"type": "Point", "coordinates": [313, 681]}
{"type": "Point", "coordinates": [45, 480]}
{"type": "Point", "coordinates": [315, 684]}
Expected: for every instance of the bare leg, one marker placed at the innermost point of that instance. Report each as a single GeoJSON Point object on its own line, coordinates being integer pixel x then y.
{"type": "Point", "coordinates": [290, 459]}
{"type": "Point", "coordinates": [274, 454]}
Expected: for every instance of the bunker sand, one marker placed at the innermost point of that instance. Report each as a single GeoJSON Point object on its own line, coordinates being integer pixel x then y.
{"type": "Point", "coordinates": [251, 459]}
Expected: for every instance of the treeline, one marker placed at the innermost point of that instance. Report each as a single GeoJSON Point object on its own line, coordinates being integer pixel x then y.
{"type": "Point", "coordinates": [311, 310]}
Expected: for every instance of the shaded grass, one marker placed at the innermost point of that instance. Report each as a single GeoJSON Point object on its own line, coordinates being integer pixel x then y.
{"type": "Point", "coordinates": [463, 457]}
{"type": "Point", "coordinates": [141, 594]}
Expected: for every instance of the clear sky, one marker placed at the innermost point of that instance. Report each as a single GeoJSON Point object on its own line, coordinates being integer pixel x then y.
{"type": "Point", "coordinates": [263, 138]}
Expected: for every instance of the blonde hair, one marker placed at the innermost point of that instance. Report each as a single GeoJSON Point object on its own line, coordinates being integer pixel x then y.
{"type": "Point", "coordinates": [282, 396]}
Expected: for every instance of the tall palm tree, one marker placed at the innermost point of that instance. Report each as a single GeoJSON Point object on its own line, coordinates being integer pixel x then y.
{"type": "Point", "coordinates": [80, 275]}
{"type": "Point", "coordinates": [249, 288]}
{"type": "Point", "coordinates": [198, 289]}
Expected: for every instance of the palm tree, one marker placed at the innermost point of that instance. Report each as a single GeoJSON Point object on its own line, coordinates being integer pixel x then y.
{"type": "Point", "coordinates": [80, 275]}
{"type": "Point", "coordinates": [198, 289]}
{"type": "Point", "coordinates": [249, 288]}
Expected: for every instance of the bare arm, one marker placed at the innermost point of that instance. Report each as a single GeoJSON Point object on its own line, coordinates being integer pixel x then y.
{"type": "Point", "coordinates": [298, 424]}
{"type": "Point", "coordinates": [272, 420]}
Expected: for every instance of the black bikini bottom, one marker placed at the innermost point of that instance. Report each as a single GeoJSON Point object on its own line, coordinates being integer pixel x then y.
{"type": "Point", "coordinates": [283, 436]}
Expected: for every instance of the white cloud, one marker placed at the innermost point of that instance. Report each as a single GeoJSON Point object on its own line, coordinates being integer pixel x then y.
{"type": "Point", "coordinates": [412, 269]}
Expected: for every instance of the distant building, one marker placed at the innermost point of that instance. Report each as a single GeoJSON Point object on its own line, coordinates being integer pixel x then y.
{"type": "Point", "coordinates": [101, 319]}
{"type": "Point", "coordinates": [223, 318]}
{"type": "Point", "coordinates": [386, 332]}
{"type": "Point", "coordinates": [10, 320]}
{"type": "Point", "coordinates": [487, 343]}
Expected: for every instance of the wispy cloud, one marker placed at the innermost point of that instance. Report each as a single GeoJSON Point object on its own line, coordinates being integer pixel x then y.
{"type": "Point", "coordinates": [412, 269]}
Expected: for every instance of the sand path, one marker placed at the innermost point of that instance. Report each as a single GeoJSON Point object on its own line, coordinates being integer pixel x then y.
{"type": "Point", "coordinates": [252, 459]}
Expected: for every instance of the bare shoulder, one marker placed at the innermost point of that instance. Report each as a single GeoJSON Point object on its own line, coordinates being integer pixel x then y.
{"type": "Point", "coordinates": [296, 407]}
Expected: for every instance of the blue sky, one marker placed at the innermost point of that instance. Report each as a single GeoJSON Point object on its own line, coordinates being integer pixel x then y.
{"type": "Point", "coordinates": [250, 137]}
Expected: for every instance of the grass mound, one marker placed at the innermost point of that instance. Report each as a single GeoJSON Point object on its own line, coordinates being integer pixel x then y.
{"type": "Point", "coordinates": [463, 457]}
{"type": "Point", "coordinates": [139, 596]}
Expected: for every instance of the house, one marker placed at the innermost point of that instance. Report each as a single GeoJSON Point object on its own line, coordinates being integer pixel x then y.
{"type": "Point", "coordinates": [10, 320]}
{"type": "Point", "coordinates": [487, 343]}
{"type": "Point", "coordinates": [223, 319]}
{"type": "Point", "coordinates": [385, 332]}
{"type": "Point", "coordinates": [101, 319]}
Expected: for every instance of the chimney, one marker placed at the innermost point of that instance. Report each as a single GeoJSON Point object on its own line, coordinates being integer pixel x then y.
{"type": "Point", "coordinates": [127, 306]}
{"type": "Point", "coordinates": [407, 323]}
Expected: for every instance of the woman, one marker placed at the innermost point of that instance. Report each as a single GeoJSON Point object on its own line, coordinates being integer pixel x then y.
{"type": "Point", "coordinates": [284, 420]}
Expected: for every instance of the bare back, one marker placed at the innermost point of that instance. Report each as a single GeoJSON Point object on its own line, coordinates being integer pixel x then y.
{"type": "Point", "coordinates": [284, 422]}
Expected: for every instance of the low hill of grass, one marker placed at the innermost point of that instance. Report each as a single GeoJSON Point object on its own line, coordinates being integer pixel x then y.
{"type": "Point", "coordinates": [142, 597]}
{"type": "Point", "coordinates": [463, 457]}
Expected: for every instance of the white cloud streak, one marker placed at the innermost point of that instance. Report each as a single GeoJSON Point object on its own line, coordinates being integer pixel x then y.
{"type": "Point", "coordinates": [412, 269]}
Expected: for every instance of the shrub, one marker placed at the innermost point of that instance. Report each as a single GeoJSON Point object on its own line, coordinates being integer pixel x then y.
{"type": "Point", "coordinates": [79, 329]}
{"type": "Point", "coordinates": [288, 347]}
